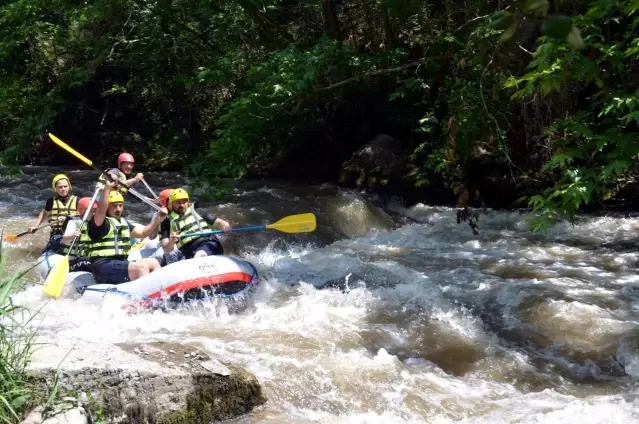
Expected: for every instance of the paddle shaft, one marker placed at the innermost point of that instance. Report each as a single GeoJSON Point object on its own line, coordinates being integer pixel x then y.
{"type": "Point", "coordinates": [144, 199]}
{"type": "Point", "coordinates": [86, 160]}
{"type": "Point", "coordinates": [155, 196]}
{"type": "Point", "coordinates": [84, 218]}
{"type": "Point", "coordinates": [141, 197]}
{"type": "Point", "coordinates": [24, 233]}
{"type": "Point", "coordinates": [234, 230]}
{"type": "Point", "coordinates": [301, 223]}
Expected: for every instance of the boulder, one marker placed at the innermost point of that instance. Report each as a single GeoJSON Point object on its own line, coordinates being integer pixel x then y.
{"type": "Point", "coordinates": [147, 382]}
{"type": "Point", "coordinates": [375, 164]}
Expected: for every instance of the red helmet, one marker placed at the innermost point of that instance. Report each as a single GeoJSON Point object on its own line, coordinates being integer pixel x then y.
{"type": "Point", "coordinates": [83, 204]}
{"type": "Point", "coordinates": [125, 157]}
{"type": "Point", "coordinates": [164, 195]}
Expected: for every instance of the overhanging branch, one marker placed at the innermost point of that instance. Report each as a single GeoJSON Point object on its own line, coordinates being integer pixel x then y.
{"type": "Point", "coordinates": [370, 74]}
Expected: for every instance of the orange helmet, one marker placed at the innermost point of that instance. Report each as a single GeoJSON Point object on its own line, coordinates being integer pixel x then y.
{"type": "Point", "coordinates": [164, 196]}
{"type": "Point", "coordinates": [83, 204]}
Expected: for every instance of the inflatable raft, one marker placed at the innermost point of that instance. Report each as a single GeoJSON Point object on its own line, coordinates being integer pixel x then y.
{"type": "Point", "coordinates": [186, 281]}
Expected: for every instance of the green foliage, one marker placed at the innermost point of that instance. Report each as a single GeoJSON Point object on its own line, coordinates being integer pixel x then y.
{"type": "Point", "coordinates": [595, 147]}
{"type": "Point", "coordinates": [16, 346]}
{"type": "Point", "coordinates": [537, 89]}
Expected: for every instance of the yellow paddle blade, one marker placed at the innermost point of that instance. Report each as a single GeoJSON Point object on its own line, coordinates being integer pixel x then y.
{"type": "Point", "coordinates": [302, 223]}
{"type": "Point", "coordinates": [70, 149]}
{"type": "Point", "coordinates": [139, 245]}
{"type": "Point", "coordinates": [57, 278]}
{"type": "Point", "coordinates": [10, 237]}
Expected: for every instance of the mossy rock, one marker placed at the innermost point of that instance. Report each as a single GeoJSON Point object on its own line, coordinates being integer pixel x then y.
{"type": "Point", "coordinates": [217, 398]}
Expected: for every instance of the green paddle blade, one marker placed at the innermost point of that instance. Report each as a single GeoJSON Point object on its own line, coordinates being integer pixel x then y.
{"type": "Point", "coordinates": [302, 223]}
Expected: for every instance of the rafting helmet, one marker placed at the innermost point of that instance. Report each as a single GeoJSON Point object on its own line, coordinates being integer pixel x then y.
{"type": "Point", "coordinates": [115, 197]}
{"type": "Point", "coordinates": [164, 196]}
{"type": "Point", "coordinates": [178, 194]}
{"type": "Point", "coordinates": [83, 204]}
{"type": "Point", "coordinates": [58, 178]}
{"type": "Point", "coordinates": [125, 157]}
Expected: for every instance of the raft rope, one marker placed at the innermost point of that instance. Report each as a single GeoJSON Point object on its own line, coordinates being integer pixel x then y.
{"type": "Point", "coordinates": [112, 290]}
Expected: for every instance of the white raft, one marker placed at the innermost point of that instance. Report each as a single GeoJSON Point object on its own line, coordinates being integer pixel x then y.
{"type": "Point", "coordinates": [185, 281]}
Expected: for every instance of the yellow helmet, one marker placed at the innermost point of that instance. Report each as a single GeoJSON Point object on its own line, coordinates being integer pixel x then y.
{"type": "Point", "coordinates": [115, 197]}
{"type": "Point", "coordinates": [178, 194]}
{"type": "Point", "coordinates": [58, 178]}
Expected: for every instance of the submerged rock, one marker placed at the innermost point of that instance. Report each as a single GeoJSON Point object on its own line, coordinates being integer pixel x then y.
{"type": "Point", "coordinates": [131, 383]}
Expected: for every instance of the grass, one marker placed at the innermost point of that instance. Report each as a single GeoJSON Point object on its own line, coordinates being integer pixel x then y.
{"type": "Point", "coordinates": [17, 393]}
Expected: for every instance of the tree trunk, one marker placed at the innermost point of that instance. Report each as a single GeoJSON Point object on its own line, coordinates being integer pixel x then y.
{"type": "Point", "coordinates": [331, 23]}
{"type": "Point", "coordinates": [388, 30]}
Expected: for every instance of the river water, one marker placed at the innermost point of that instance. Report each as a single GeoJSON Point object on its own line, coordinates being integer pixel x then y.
{"type": "Point", "coordinates": [387, 314]}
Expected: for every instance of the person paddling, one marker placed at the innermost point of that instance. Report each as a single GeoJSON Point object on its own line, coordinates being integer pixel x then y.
{"type": "Point", "coordinates": [79, 261]}
{"type": "Point", "coordinates": [110, 244]}
{"type": "Point", "coordinates": [56, 209]}
{"type": "Point", "coordinates": [175, 255]}
{"type": "Point", "coordinates": [126, 162]}
{"type": "Point", "coordinates": [184, 219]}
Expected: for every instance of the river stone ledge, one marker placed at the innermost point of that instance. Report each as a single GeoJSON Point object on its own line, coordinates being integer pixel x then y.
{"type": "Point", "coordinates": [147, 383]}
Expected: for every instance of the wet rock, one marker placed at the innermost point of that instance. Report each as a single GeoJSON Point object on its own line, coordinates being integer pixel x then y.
{"type": "Point", "coordinates": [70, 416]}
{"type": "Point", "coordinates": [375, 163]}
{"type": "Point", "coordinates": [33, 417]}
{"type": "Point", "coordinates": [216, 367]}
{"type": "Point", "coordinates": [143, 389]}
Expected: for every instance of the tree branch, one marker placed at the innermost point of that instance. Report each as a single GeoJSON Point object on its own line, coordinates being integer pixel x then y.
{"type": "Point", "coordinates": [472, 20]}
{"type": "Point", "coordinates": [370, 74]}
{"type": "Point", "coordinates": [270, 28]}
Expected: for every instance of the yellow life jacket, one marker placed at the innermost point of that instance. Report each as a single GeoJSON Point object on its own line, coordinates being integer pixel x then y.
{"type": "Point", "coordinates": [59, 210]}
{"type": "Point", "coordinates": [116, 244]}
{"type": "Point", "coordinates": [187, 223]}
{"type": "Point", "coordinates": [81, 246]}
{"type": "Point", "coordinates": [121, 187]}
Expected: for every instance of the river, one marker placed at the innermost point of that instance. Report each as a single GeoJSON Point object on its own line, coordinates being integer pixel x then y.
{"type": "Point", "coordinates": [387, 314]}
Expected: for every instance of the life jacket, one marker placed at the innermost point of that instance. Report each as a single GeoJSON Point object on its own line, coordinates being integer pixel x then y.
{"type": "Point", "coordinates": [121, 187]}
{"type": "Point", "coordinates": [81, 245]}
{"type": "Point", "coordinates": [116, 244]}
{"type": "Point", "coordinates": [187, 223]}
{"type": "Point", "coordinates": [59, 209]}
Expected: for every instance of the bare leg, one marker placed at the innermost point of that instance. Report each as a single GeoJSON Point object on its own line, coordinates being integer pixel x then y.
{"type": "Point", "coordinates": [142, 267]}
{"type": "Point", "coordinates": [200, 254]}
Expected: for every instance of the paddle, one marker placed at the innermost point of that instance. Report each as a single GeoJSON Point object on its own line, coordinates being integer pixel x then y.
{"type": "Point", "coordinates": [14, 237]}
{"type": "Point", "coordinates": [57, 277]}
{"type": "Point", "coordinates": [155, 196]}
{"type": "Point", "coordinates": [88, 161]}
{"type": "Point", "coordinates": [302, 223]}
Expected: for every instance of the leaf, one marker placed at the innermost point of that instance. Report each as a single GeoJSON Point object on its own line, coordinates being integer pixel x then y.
{"type": "Point", "coordinates": [574, 38]}
{"type": "Point", "coordinates": [632, 116]}
{"type": "Point", "coordinates": [616, 167]}
{"type": "Point", "coordinates": [19, 402]}
{"type": "Point", "coordinates": [512, 82]}
{"type": "Point", "coordinates": [538, 8]}
{"type": "Point", "coordinates": [557, 26]}
{"type": "Point", "coordinates": [502, 20]}
{"type": "Point", "coordinates": [507, 35]}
